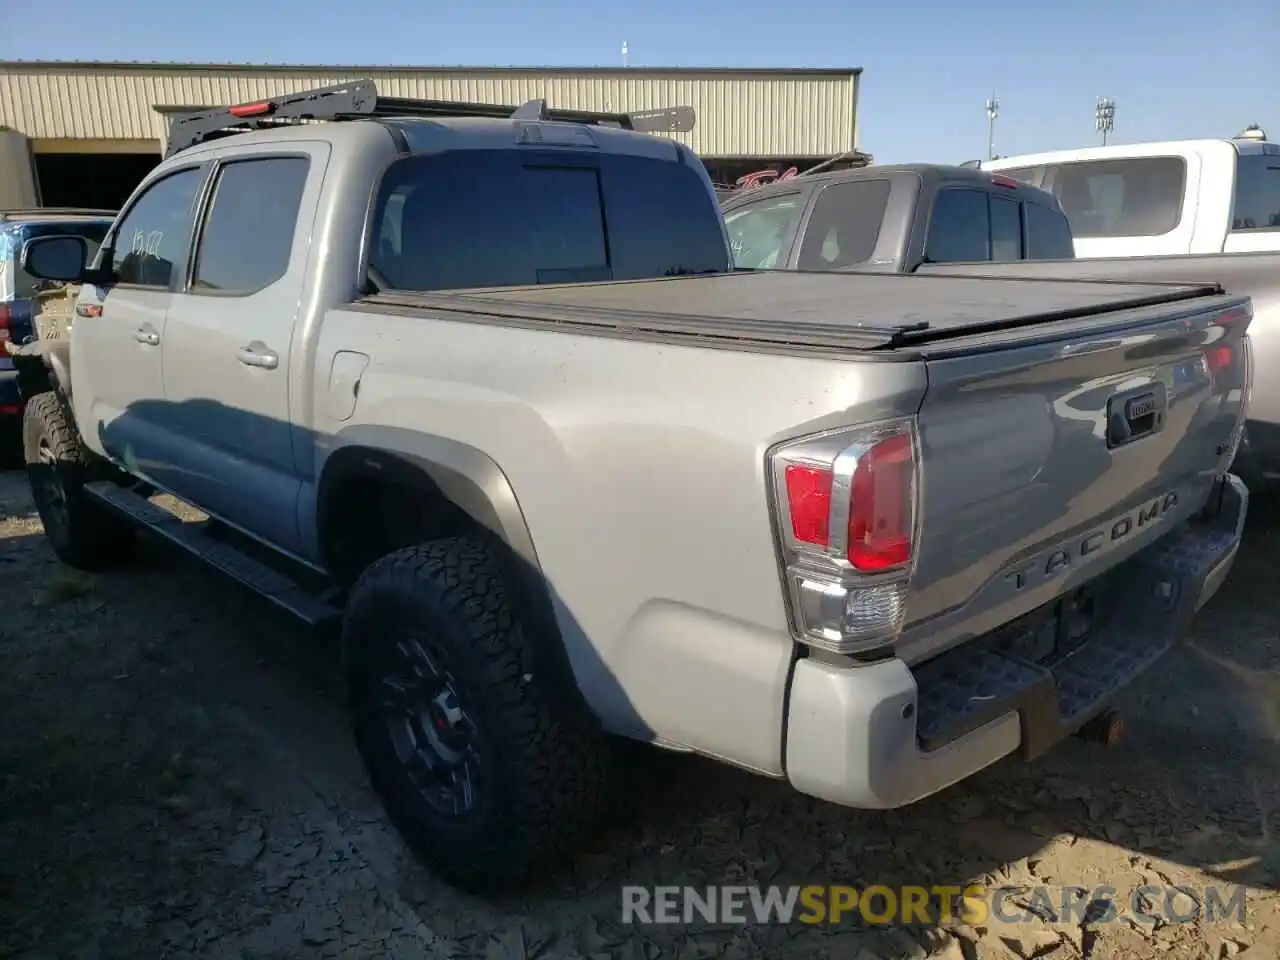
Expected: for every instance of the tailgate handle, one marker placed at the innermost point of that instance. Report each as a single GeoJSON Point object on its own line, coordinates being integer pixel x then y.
{"type": "Point", "coordinates": [1135, 414]}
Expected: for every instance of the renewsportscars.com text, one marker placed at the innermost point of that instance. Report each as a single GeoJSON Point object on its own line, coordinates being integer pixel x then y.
{"type": "Point", "coordinates": [972, 904]}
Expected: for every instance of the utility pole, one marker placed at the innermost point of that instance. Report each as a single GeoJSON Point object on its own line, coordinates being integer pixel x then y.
{"type": "Point", "coordinates": [624, 53]}
{"type": "Point", "coordinates": [1104, 117]}
{"type": "Point", "coordinates": [993, 111]}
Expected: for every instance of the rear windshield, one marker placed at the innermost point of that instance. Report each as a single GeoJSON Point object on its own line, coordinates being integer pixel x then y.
{"type": "Point", "coordinates": [975, 225]}
{"type": "Point", "coordinates": [493, 218]}
{"type": "Point", "coordinates": [26, 286]}
{"type": "Point", "coordinates": [1257, 199]}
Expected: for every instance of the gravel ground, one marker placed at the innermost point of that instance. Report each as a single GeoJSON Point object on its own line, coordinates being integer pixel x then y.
{"type": "Point", "coordinates": [176, 779]}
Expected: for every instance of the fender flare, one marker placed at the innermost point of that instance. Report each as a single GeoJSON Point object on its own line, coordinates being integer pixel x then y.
{"type": "Point", "coordinates": [469, 479]}
{"type": "Point", "coordinates": [43, 365]}
{"type": "Point", "coordinates": [474, 483]}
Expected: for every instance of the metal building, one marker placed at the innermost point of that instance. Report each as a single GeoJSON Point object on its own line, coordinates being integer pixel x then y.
{"type": "Point", "coordinates": [95, 128]}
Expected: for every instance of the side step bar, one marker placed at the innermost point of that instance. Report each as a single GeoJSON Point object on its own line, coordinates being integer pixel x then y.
{"type": "Point", "coordinates": [194, 538]}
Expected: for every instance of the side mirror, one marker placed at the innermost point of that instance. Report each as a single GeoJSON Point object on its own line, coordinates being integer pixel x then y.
{"type": "Point", "coordinates": [61, 258]}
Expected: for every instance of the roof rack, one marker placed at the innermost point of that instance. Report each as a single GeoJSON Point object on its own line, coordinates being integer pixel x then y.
{"type": "Point", "coordinates": [855, 158]}
{"type": "Point", "coordinates": [359, 100]}
{"type": "Point", "coordinates": [25, 213]}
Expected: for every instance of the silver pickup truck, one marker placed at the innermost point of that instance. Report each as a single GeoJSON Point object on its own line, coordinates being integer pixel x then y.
{"type": "Point", "coordinates": [485, 390]}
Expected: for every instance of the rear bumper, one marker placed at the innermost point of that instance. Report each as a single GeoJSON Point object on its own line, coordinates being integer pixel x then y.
{"type": "Point", "coordinates": [885, 735]}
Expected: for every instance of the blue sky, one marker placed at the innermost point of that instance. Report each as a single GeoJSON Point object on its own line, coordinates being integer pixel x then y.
{"type": "Point", "coordinates": [1177, 68]}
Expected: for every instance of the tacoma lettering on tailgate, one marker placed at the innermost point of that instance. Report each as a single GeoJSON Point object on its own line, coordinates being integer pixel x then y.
{"type": "Point", "coordinates": [1061, 558]}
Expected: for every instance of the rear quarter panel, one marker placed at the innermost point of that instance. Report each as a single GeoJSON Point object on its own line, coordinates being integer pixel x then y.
{"type": "Point", "coordinates": [639, 470]}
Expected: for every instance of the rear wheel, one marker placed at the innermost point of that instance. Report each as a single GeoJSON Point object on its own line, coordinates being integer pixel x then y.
{"type": "Point", "coordinates": [485, 773]}
{"type": "Point", "coordinates": [80, 531]}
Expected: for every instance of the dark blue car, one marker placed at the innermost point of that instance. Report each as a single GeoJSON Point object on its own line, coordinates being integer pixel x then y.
{"type": "Point", "coordinates": [19, 291]}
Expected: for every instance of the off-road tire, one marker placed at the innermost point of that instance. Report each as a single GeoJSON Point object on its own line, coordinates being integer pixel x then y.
{"type": "Point", "coordinates": [82, 533]}
{"type": "Point", "coordinates": [543, 770]}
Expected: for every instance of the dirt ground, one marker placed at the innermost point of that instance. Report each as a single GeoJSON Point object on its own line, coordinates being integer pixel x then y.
{"type": "Point", "coordinates": [177, 779]}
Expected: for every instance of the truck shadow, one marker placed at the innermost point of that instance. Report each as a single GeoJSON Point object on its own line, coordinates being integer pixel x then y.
{"type": "Point", "coordinates": [1195, 786]}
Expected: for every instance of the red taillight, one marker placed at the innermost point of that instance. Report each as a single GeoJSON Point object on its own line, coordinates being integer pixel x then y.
{"type": "Point", "coordinates": [1000, 181]}
{"type": "Point", "coordinates": [1219, 356]}
{"type": "Point", "coordinates": [878, 536]}
{"type": "Point", "coordinates": [809, 501]}
{"type": "Point", "coordinates": [846, 510]}
{"type": "Point", "coordinates": [1218, 359]}
{"type": "Point", "coordinates": [251, 109]}
{"type": "Point", "coordinates": [880, 511]}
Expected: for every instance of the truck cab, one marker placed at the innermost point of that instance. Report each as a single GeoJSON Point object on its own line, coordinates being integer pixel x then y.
{"type": "Point", "coordinates": [1158, 199]}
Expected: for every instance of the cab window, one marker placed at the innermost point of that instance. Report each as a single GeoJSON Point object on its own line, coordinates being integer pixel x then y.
{"type": "Point", "coordinates": [844, 226]}
{"type": "Point", "coordinates": [760, 233]}
{"type": "Point", "coordinates": [152, 236]}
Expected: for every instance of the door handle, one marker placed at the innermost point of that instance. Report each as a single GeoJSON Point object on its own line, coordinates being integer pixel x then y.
{"type": "Point", "coordinates": [257, 354]}
{"type": "Point", "coordinates": [147, 334]}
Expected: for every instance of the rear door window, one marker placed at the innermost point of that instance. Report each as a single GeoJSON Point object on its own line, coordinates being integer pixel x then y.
{"type": "Point", "coordinates": [959, 227]}
{"type": "Point", "coordinates": [844, 226]}
{"type": "Point", "coordinates": [491, 218]}
{"type": "Point", "coordinates": [761, 233]}
{"type": "Point", "coordinates": [1257, 198]}
{"type": "Point", "coordinates": [1133, 197]}
{"type": "Point", "coordinates": [247, 236]}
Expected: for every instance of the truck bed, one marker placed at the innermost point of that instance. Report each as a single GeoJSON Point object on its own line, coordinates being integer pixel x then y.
{"type": "Point", "coordinates": [866, 311]}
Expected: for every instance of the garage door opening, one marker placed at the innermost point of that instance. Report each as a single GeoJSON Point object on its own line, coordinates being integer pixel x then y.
{"type": "Point", "coordinates": [96, 180]}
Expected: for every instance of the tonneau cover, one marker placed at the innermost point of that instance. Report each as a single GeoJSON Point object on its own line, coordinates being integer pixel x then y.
{"type": "Point", "coordinates": [869, 309]}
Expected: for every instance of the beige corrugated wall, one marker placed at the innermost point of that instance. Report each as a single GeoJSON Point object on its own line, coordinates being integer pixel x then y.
{"type": "Point", "coordinates": [761, 114]}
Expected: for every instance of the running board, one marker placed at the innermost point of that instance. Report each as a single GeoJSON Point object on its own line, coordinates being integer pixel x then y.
{"type": "Point", "coordinates": [194, 538]}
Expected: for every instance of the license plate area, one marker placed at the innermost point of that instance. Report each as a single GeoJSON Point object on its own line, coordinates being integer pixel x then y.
{"type": "Point", "coordinates": [1057, 630]}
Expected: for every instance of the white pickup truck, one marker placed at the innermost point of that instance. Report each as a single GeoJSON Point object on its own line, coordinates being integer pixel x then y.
{"type": "Point", "coordinates": [1157, 199]}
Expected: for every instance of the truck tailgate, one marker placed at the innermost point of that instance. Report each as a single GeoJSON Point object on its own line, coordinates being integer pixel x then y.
{"type": "Point", "coordinates": [1047, 460]}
